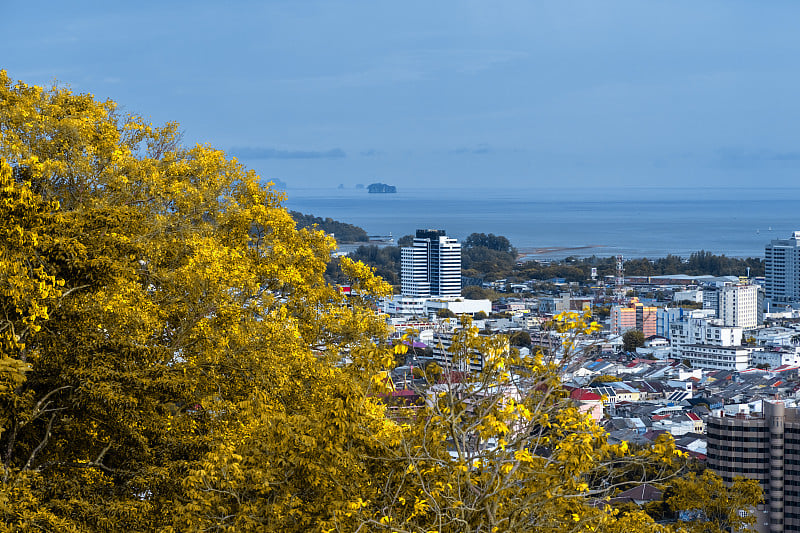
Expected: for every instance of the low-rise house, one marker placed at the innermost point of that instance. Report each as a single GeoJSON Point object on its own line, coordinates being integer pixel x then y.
{"type": "Point", "coordinates": [640, 495]}
{"type": "Point", "coordinates": [588, 402]}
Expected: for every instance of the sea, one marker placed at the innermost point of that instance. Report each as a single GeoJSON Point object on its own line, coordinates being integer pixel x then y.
{"type": "Point", "coordinates": [554, 223]}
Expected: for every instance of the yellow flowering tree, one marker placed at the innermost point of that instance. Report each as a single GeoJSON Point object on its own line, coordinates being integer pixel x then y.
{"type": "Point", "coordinates": [171, 359]}
{"type": "Point", "coordinates": [504, 449]}
{"type": "Point", "coordinates": [157, 301]}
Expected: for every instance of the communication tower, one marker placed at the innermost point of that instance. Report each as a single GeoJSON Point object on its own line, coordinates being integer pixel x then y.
{"type": "Point", "coordinates": [619, 281]}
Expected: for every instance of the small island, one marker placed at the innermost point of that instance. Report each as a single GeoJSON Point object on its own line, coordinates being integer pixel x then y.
{"type": "Point", "coordinates": [381, 188]}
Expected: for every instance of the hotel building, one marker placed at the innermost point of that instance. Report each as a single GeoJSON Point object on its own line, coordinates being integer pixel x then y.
{"type": "Point", "coordinates": [431, 266]}
{"type": "Point", "coordinates": [766, 447]}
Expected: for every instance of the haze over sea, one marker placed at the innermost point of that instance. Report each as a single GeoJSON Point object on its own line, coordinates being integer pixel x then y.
{"type": "Point", "coordinates": [558, 222]}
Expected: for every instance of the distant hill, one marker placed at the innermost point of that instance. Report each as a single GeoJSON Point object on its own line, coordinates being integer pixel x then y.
{"type": "Point", "coordinates": [381, 188]}
{"type": "Point", "coordinates": [278, 184]}
{"type": "Point", "coordinates": [341, 230]}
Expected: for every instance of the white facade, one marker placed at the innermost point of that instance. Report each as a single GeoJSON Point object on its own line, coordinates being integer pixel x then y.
{"type": "Point", "coordinates": [775, 358]}
{"type": "Point", "coordinates": [713, 357]}
{"type": "Point", "coordinates": [399, 305]}
{"type": "Point", "coordinates": [782, 270]}
{"type": "Point", "coordinates": [462, 362]}
{"type": "Point", "coordinates": [431, 266]}
{"type": "Point", "coordinates": [458, 306]}
{"type": "Point", "coordinates": [704, 331]}
{"type": "Point", "coordinates": [735, 305]}
{"type": "Point", "coordinates": [403, 306]}
{"type": "Point", "coordinates": [778, 336]}
{"type": "Point", "coordinates": [691, 296]}
{"type": "Point", "coordinates": [666, 316]}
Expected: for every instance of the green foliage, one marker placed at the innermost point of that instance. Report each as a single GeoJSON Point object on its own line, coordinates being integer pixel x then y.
{"type": "Point", "coordinates": [476, 292]}
{"type": "Point", "coordinates": [534, 270]}
{"type": "Point", "coordinates": [486, 263]}
{"type": "Point", "coordinates": [494, 242]}
{"type": "Point", "coordinates": [632, 339]}
{"type": "Point", "coordinates": [698, 263]}
{"type": "Point", "coordinates": [520, 338]}
{"type": "Point", "coordinates": [385, 260]}
{"type": "Point", "coordinates": [487, 256]}
{"type": "Point", "coordinates": [342, 231]}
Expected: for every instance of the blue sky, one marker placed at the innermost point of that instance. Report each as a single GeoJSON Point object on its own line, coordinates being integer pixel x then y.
{"type": "Point", "coordinates": [507, 93]}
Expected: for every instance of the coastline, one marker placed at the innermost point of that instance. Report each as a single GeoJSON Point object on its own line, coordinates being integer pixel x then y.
{"type": "Point", "coordinates": [527, 253]}
{"type": "Point", "coordinates": [543, 227]}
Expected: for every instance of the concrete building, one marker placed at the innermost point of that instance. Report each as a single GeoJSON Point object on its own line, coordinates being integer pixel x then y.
{"type": "Point", "coordinates": [399, 305]}
{"type": "Point", "coordinates": [694, 295]}
{"type": "Point", "coordinates": [552, 305]}
{"type": "Point", "coordinates": [431, 266]}
{"type": "Point", "coordinates": [449, 359]}
{"type": "Point", "coordinates": [699, 330]}
{"type": "Point", "coordinates": [707, 344]}
{"type": "Point", "coordinates": [766, 447]}
{"type": "Point", "coordinates": [666, 316]}
{"type": "Point", "coordinates": [637, 316]}
{"type": "Point", "coordinates": [775, 358]}
{"type": "Point", "coordinates": [458, 306]}
{"type": "Point", "coordinates": [712, 357]}
{"type": "Point", "coordinates": [734, 304]}
{"type": "Point", "coordinates": [782, 271]}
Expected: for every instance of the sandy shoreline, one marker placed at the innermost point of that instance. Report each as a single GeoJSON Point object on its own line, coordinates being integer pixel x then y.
{"type": "Point", "coordinates": [525, 252]}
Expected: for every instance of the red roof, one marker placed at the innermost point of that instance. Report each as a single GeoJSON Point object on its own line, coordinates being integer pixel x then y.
{"type": "Point", "coordinates": [693, 416]}
{"type": "Point", "coordinates": [584, 395]}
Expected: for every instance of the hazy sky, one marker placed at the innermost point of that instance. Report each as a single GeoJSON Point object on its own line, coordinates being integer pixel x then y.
{"type": "Point", "coordinates": [510, 93]}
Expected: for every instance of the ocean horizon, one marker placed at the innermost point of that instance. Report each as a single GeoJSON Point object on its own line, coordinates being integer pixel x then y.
{"type": "Point", "coordinates": [554, 223]}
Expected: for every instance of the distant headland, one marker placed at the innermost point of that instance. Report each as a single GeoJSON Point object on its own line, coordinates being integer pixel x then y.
{"type": "Point", "coordinates": [381, 188]}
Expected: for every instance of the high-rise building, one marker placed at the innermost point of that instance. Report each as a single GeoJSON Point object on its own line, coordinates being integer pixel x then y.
{"type": "Point", "coordinates": [765, 447]}
{"type": "Point", "coordinates": [735, 305]}
{"type": "Point", "coordinates": [782, 270]}
{"type": "Point", "coordinates": [637, 316]}
{"type": "Point", "coordinates": [431, 266]}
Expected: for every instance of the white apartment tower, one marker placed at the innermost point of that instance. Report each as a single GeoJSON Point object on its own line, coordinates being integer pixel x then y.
{"type": "Point", "coordinates": [431, 266]}
{"type": "Point", "coordinates": [782, 272]}
{"type": "Point", "coordinates": [734, 304]}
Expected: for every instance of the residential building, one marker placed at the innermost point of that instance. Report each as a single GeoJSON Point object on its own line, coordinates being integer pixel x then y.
{"type": "Point", "coordinates": [458, 306]}
{"type": "Point", "coordinates": [552, 305]}
{"type": "Point", "coordinates": [665, 316]}
{"type": "Point", "coordinates": [695, 329]}
{"type": "Point", "coordinates": [782, 271]}
{"type": "Point", "coordinates": [431, 266]}
{"type": "Point", "coordinates": [712, 357]}
{"type": "Point", "coordinates": [775, 358]}
{"type": "Point", "coordinates": [766, 447]}
{"type": "Point", "coordinates": [428, 307]}
{"type": "Point", "coordinates": [707, 344]}
{"type": "Point", "coordinates": [734, 304]}
{"type": "Point", "coordinates": [637, 316]}
{"type": "Point", "coordinates": [458, 361]}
